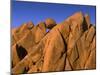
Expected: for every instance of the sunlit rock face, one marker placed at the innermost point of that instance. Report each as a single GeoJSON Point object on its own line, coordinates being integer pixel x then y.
{"type": "Point", "coordinates": [48, 47]}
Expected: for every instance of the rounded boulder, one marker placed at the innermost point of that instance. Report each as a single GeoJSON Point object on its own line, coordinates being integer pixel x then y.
{"type": "Point", "coordinates": [50, 23]}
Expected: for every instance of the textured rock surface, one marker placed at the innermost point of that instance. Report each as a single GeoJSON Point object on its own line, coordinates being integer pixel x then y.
{"type": "Point", "coordinates": [50, 23]}
{"type": "Point", "coordinates": [70, 45]}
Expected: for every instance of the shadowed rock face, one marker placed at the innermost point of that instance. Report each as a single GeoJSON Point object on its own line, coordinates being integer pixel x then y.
{"type": "Point", "coordinates": [70, 45]}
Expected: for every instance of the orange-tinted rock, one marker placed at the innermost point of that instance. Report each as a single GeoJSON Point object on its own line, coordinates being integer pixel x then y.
{"type": "Point", "coordinates": [70, 45]}
{"type": "Point", "coordinates": [19, 33]}
{"type": "Point", "coordinates": [15, 58]}
{"type": "Point", "coordinates": [87, 19]}
{"type": "Point", "coordinates": [54, 56]}
{"type": "Point", "coordinates": [77, 17]}
{"type": "Point", "coordinates": [27, 41]}
{"type": "Point", "coordinates": [50, 23]}
{"type": "Point", "coordinates": [67, 65]}
{"type": "Point", "coordinates": [91, 62]}
{"type": "Point", "coordinates": [30, 25]}
{"type": "Point", "coordinates": [38, 32]}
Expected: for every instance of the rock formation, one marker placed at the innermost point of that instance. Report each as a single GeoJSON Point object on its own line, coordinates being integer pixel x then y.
{"type": "Point", "coordinates": [50, 23]}
{"type": "Point", "coordinates": [70, 45]}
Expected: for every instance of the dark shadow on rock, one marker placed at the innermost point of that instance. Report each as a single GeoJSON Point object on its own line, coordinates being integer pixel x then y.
{"type": "Point", "coordinates": [65, 44]}
{"type": "Point", "coordinates": [84, 25]}
{"type": "Point", "coordinates": [21, 52]}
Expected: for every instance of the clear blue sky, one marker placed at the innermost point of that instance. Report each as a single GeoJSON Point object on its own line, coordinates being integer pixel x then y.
{"type": "Point", "coordinates": [23, 12]}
